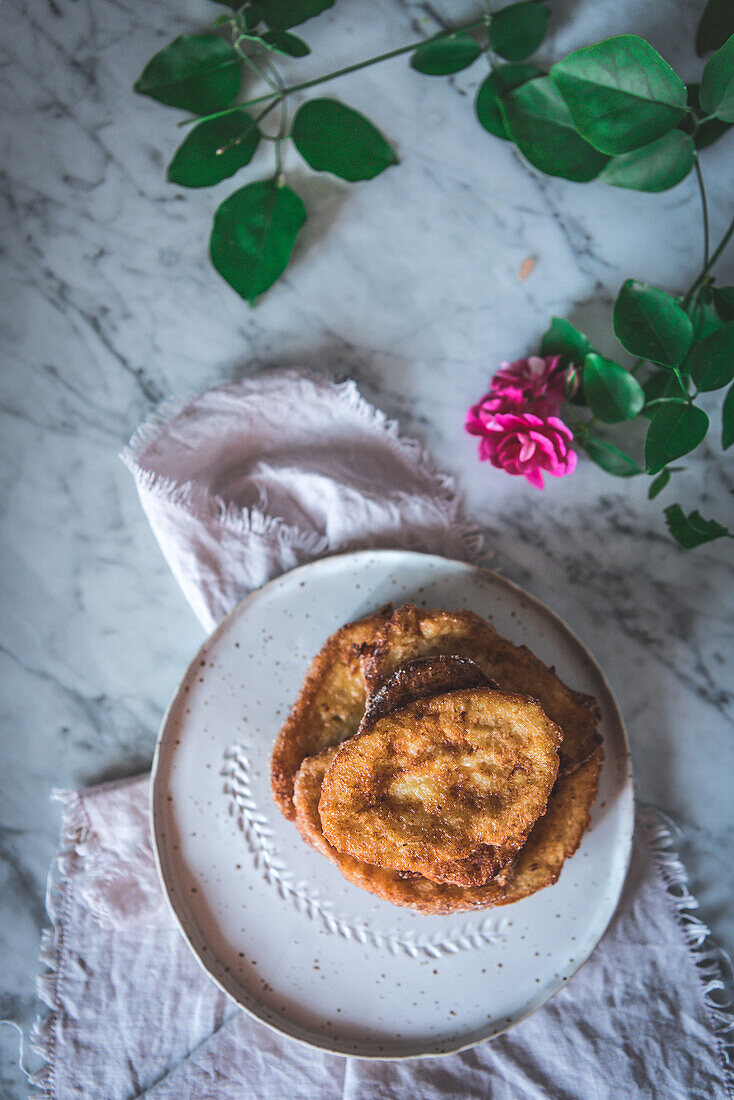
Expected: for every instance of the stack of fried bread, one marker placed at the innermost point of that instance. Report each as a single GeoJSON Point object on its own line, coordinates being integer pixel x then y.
{"type": "Point", "coordinates": [438, 765]}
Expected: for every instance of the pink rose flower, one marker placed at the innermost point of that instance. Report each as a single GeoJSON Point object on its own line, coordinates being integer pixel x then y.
{"type": "Point", "coordinates": [527, 444]}
{"type": "Point", "coordinates": [534, 378]}
{"type": "Point", "coordinates": [480, 417]}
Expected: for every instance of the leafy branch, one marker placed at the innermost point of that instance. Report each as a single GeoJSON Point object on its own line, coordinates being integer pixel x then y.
{"type": "Point", "coordinates": [256, 228]}
{"type": "Point", "coordinates": [615, 111]}
{"type": "Point", "coordinates": [204, 75]}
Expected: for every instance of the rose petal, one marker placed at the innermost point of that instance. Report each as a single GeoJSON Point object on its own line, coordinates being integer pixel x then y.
{"type": "Point", "coordinates": [535, 478]}
{"type": "Point", "coordinates": [527, 450]}
{"type": "Point", "coordinates": [517, 421]}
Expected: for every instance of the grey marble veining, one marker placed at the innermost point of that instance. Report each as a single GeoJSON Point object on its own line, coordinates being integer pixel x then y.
{"type": "Point", "coordinates": [408, 283]}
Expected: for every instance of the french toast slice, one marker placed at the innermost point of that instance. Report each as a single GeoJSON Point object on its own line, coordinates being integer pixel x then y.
{"type": "Point", "coordinates": [555, 838]}
{"type": "Point", "coordinates": [439, 778]}
{"type": "Point", "coordinates": [409, 890]}
{"type": "Point", "coordinates": [422, 678]}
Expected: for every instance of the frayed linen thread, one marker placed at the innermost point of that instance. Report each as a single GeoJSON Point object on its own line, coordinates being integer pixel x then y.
{"type": "Point", "coordinates": [74, 829]}
{"type": "Point", "coordinates": [713, 964]}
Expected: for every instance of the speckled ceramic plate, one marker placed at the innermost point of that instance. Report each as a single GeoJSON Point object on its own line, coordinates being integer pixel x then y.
{"type": "Point", "coordinates": [273, 922]}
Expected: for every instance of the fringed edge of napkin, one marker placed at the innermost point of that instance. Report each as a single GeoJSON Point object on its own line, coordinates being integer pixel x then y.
{"type": "Point", "coordinates": [713, 964]}
{"type": "Point", "coordinates": [193, 497]}
{"type": "Point", "coordinates": [74, 826]}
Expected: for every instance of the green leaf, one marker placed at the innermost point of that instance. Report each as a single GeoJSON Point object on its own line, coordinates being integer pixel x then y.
{"type": "Point", "coordinates": [214, 150]}
{"type": "Point", "coordinates": [620, 92]}
{"type": "Point", "coordinates": [654, 167]}
{"type": "Point", "coordinates": [727, 420]}
{"type": "Point", "coordinates": [650, 323]}
{"type": "Point", "coordinates": [675, 429]}
{"type": "Point", "coordinates": [280, 15]}
{"type": "Point", "coordinates": [283, 42]}
{"type": "Point", "coordinates": [252, 13]}
{"type": "Point", "coordinates": [446, 54]}
{"type": "Point", "coordinates": [717, 83]}
{"type": "Point", "coordinates": [717, 24]}
{"type": "Point", "coordinates": [565, 340]}
{"type": "Point", "coordinates": [199, 73]}
{"type": "Point", "coordinates": [724, 302]}
{"type": "Point", "coordinates": [334, 138]}
{"type": "Point", "coordinates": [662, 385]}
{"type": "Point", "coordinates": [498, 83]}
{"type": "Point", "coordinates": [712, 360]}
{"type": "Point", "coordinates": [612, 393]}
{"type": "Point", "coordinates": [539, 123]}
{"type": "Point", "coordinates": [651, 407]}
{"type": "Point", "coordinates": [611, 459]}
{"type": "Point", "coordinates": [517, 30]}
{"type": "Point", "coordinates": [253, 236]}
{"type": "Point", "coordinates": [693, 530]}
{"type": "Point", "coordinates": [703, 315]}
{"type": "Point", "coordinates": [707, 132]}
{"type": "Point", "coordinates": [658, 485]}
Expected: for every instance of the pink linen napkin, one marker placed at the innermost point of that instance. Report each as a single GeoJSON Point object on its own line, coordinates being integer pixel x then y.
{"type": "Point", "coordinates": [239, 484]}
{"type": "Point", "coordinates": [252, 479]}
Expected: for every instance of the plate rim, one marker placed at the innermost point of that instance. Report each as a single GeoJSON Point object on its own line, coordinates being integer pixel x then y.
{"type": "Point", "coordinates": [627, 791]}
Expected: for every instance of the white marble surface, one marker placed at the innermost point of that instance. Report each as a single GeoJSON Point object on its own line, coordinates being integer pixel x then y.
{"type": "Point", "coordinates": [407, 283]}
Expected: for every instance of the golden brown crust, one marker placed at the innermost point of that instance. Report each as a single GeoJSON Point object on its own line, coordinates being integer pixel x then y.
{"type": "Point", "coordinates": [477, 869]}
{"type": "Point", "coordinates": [329, 706]}
{"type": "Point", "coordinates": [425, 677]}
{"type": "Point", "coordinates": [414, 891]}
{"type": "Point", "coordinates": [439, 778]}
{"type": "Point", "coordinates": [335, 678]}
{"type": "Point", "coordinates": [420, 679]}
{"type": "Point", "coordinates": [306, 794]}
{"type": "Point", "coordinates": [558, 834]}
{"type": "Point", "coordinates": [554, 839]}
{"type": "Point", "coordinates": [411, 632]}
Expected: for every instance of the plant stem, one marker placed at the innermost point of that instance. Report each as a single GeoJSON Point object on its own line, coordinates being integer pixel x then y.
{"type": "Point", "coordinates": [280, 137]}
{"type": "Point", "coordinates": [337, 72]}
{"type": "Point", "coordinates": [268, 109]}
{"type": "Point", "coordinates": [682, 384]}
{"type": "Point", "coordinates": [274, 97]}
{"type": "Point", "coordinates": [375, 60]}
{"type": "Point", "coordinates": [257, 70]}
{"type": "Point", "coordinates": [705, 270]}
{"type": "Point", "coordinates": [709, 260]}
{"type": "Point", "coordinates": [705, 212]}
{"type": "Point", "coordinates": [488, 53]}
{"type": "Point", "coordinates": [722, 245]}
